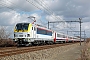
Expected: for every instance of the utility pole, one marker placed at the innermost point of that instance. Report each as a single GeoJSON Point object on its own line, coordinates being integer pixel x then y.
{"type": "Point", "coordinates": [80, 29]}
{"type": "Point", "coordinates": [48, 24]}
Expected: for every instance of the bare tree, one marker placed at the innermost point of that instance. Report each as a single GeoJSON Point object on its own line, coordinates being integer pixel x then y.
{"type": "Point", "coordinates": [3, 33]}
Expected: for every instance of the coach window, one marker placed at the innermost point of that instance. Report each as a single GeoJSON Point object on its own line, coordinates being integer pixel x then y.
{"type": "Point", "coordinates": [49, 33]}
{"type": "Point", "coordinates": [38, 32]}
{"type": "Point", "coordinates": [63, 36]}
{"type": "Point", "coordinates": [58, 35]}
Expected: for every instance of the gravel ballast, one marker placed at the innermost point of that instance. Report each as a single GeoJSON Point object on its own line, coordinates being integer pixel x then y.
{"type": "Point", "coordinates": [69, 52]}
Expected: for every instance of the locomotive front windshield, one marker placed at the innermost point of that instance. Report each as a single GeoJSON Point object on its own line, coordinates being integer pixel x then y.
{"type": "Point", "coordinates": [22, 26]}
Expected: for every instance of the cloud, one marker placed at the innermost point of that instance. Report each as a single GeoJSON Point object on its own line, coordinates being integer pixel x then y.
{"type": "Point", "coordinates": [6, 17]}
{"type": "Point", "coordinates": [37, 17]}
{"type": "Point", "coordinates": [11, 17]}
{"type": "Point", "coordinates": [54, 17]}
{"type": "Point", "coordinates": [85, 26]}
{"type": "Point", "coordinates": [15, 11]}
{"type": "Point", "coordinates": [21, 5]}
{"type": "Point", "coordinates": [71, 8]}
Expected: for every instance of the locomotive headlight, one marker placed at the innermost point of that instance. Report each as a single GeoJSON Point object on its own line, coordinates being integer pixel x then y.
{"type": "Point", "coordinates": [28, 35]}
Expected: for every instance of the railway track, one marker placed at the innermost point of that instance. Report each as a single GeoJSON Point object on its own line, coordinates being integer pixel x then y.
{"type": "Point", "coordinates": [8, 51]}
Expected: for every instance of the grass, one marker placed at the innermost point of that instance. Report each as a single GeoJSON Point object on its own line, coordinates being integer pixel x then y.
{"type": "Point", "coordinates": [85, 52]}
{"type": "Point", "coordinates": [6, 43]}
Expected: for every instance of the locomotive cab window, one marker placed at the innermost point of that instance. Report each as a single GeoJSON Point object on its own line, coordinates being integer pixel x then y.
{"type": "Point", "coordinates": [22, 26]}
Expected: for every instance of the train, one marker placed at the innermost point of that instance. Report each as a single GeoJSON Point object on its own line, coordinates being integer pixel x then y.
{"type": "Point", "coordinates": [27, 34]}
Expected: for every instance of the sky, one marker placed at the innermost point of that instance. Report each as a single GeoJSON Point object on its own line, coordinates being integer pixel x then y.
{"type": "Point", "coordinates": [17, 11]}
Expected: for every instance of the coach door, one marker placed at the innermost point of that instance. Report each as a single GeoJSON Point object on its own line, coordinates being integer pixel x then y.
{"type": "Point", "coordinates": [33, 32]}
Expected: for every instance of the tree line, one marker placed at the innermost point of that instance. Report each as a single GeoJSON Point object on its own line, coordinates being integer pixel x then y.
{"type": "Point", "coordinates": [5, 41]}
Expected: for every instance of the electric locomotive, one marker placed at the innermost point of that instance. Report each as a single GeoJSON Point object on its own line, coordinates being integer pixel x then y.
{"type": "Point", "coordinates": [28, 34]}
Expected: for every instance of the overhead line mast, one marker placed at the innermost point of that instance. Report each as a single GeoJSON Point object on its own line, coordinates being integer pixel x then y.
{"type": "Point", "coordinates": [60, 22]}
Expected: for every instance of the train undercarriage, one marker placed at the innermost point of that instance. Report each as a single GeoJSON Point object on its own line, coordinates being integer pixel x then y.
{"type": "Point", "coordinates": [23, 42]}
